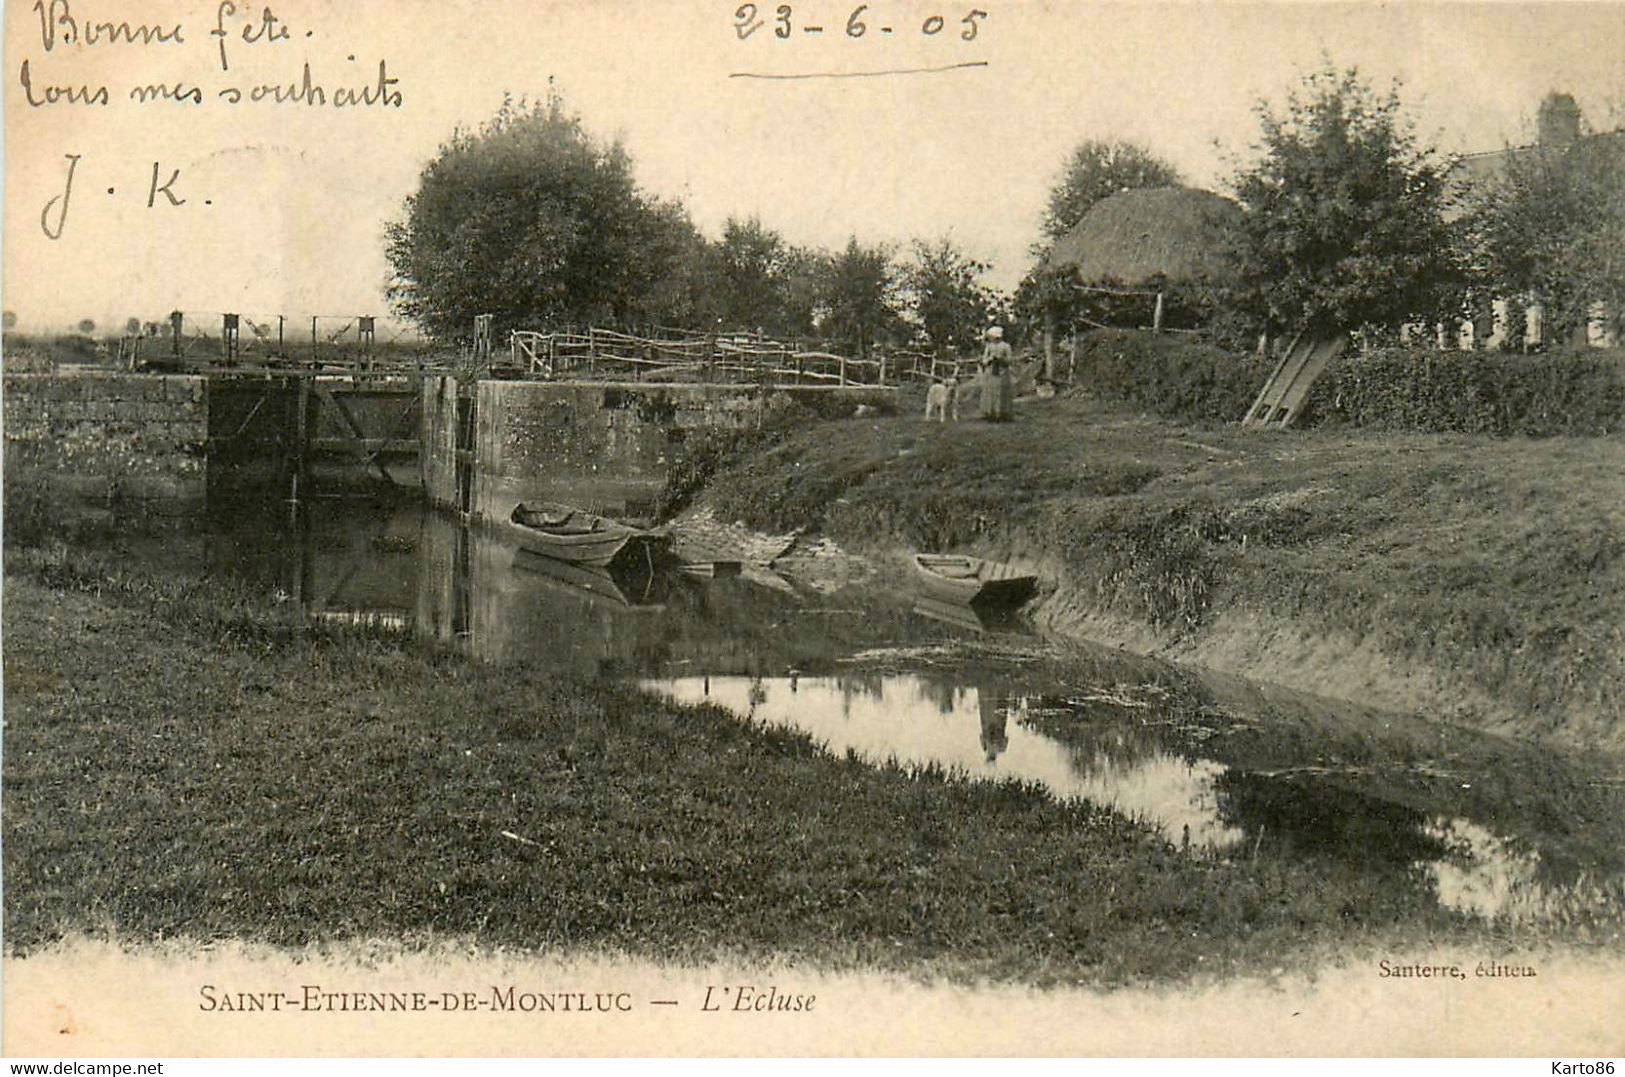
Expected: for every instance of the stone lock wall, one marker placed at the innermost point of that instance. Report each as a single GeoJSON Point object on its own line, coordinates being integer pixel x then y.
{"type": "Point", "coordinates": [174, 442]}
{"type": "Point", "coordinates": [108, 439]}
{"type": "Point", "coordinates": [605, 447]}
{"type": "Point", "coordinates": [438, 434]}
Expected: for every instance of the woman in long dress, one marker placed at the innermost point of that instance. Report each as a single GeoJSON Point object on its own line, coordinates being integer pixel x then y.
{"type": "Point", "coordinates": [998, 392]}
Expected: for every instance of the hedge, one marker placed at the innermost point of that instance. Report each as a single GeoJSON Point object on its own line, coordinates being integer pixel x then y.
{"type": "Point", "coordinates": [1578, 391]}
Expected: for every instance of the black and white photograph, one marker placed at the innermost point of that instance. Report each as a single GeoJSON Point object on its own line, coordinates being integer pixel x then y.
{"type": "Point", "coordinates": [541, 529]}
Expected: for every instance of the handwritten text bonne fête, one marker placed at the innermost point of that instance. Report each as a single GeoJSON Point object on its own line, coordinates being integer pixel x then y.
{"type": "Point", "coordinates": [67, 32]}
{"type": "Point", "coordinates": [220, 65]}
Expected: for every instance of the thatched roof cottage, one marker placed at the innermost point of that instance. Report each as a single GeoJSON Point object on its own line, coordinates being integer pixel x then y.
{"type": "Point", "coordinates": [1134, 236]}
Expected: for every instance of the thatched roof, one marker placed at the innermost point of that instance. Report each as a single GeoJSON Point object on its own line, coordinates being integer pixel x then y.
{"type": "Point", "coordinates": [1132, 236]}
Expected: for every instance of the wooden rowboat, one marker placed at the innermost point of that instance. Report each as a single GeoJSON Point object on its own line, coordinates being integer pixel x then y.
{"type": "Point", "coordinates": [972, 581]}
{"type": "Point", "coordinates": [569, 534]}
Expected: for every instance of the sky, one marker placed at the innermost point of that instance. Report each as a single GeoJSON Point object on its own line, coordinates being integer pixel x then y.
{"type": "Point", "coordinates": [285, 204]}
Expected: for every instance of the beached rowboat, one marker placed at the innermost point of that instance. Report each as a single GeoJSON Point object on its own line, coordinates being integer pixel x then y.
{"type": "Point", "coordinates": [569, 534]}
{"type": "Point", "coordinates": [972, 581]}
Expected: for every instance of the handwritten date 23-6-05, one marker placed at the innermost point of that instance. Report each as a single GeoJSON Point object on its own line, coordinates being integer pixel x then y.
{"type": "Point", "coordinates": [786, 23]}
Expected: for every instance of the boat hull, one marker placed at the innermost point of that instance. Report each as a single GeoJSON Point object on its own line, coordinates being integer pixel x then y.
{"type": "Point", "coordinates": [580, 538]}
{"type": "Point", "coordinates": [971, 581]}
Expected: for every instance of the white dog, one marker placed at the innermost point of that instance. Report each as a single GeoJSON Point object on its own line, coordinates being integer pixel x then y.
{"type": "Point", "coordinates": [942, 399]}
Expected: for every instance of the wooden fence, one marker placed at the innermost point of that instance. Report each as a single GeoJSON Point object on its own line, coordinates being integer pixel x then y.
{"type": "Point", "coordinates": [346, 347]}
{"type": "Point", "coordinates": [727, 358]}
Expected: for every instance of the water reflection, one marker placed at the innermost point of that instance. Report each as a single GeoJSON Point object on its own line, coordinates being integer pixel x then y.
{"type": "Point", "coordinates": [399, 566]}
{"type": "Point", "coordinates": [977, 730]}
{"type": "Point", "coordinates": [1488, 875]}
{"type": "Point", "coordinates": [994, 719]}
{"type": "Point", "coordinates": [1486, 827]}
{"type": "Point", "coordinates": [1112, 755]}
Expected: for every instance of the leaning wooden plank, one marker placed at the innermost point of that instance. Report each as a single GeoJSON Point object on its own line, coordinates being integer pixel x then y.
{"type": "Point", "coordinates": [1320, 357]}
{"type": "Point", "coordinates": [1256, 413]}
{"type": "Point", "coordinates": [1298, 357]}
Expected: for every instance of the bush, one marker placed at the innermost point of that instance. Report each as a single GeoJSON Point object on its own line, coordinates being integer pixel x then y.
{"type": "Point", "coordinates": [697, 459]}
{"type": "Point", "coordinates": [1574, 392]}
{"type": "Point", "coordinates": [1177, 377]}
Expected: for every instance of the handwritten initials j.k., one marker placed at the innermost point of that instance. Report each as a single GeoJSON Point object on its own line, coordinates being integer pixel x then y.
{"type": "Point", "coordinates": [155, 190]}
{"type": "Point", "coordinates": [57, 206]}
{"type": "Point", "coordinates": [62, 213]}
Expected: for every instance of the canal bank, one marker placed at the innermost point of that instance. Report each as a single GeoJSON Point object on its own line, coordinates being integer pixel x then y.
{"type": "Point", "coordinates": [861, 782]}
{"type": "Point", "coordinates": [328, 782]}
{"type": "Point", "coordinates": [535, 799]}
{"type": "Point", "coordinates": [1472, 579]}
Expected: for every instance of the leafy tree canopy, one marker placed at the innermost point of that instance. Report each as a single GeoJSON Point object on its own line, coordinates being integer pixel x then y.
{"type": "Point", "coordinates": [1097, 170]}
{"type": "Point", "coordinates": [943, 296]}
{"type": "Point", "coordinates": [1344, 222]}
{"type": "Point", "coordinates": [532, 219]}
{"type": "Point", "coordinates": [858, 297]}
{"type": "Point", "coordinates": [751, 263]}
{"type": "Point", "coordinates": [1552, 228]}
{"type": "Point", "coordinates": [536, 222]}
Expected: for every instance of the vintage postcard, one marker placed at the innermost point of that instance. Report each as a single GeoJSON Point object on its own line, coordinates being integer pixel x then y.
{"type": "Point", "coordinates": [818, 528]}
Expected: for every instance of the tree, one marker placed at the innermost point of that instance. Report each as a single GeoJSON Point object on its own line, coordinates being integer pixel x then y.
{"type": "Point", "coordinates": [802, 295]}
{"type": "Point", "coordinates": [942, 295]}
{"type": "Point", "coordinates": [858, 297]}
{"type": "Point", "coordinates": [87, 326]}
{"type": "Point", "coordinates": [670, 283]}
{"type": "Point", "coordinates": [750, 262]}
{"type": "Point", "coordinates": [1552, 229]}
{"type": "Point", "coordinates": [1343, 225]}
{"type": "Point", "coordinates": [1097, 170]}
{"type": "Point", "coordinates": [534, 221]}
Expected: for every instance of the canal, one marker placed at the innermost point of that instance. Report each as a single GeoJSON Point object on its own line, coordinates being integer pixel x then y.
{"type": "Point", "coordinates": [1503, 830]}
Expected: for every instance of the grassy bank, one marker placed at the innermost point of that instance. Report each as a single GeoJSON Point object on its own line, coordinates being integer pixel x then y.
{"type": "Point", "coordinates": [1466, 576]}
{"type": "Point", "coordinates": [178, 765]}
